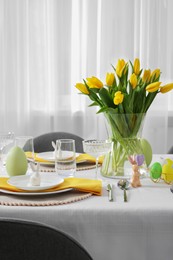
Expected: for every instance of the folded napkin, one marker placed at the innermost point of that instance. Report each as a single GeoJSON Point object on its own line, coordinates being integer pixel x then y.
{"type": "Point", "coordinates": [80, 158]}
{"type": "Point", "coordinates": [86, 157]}
{"type": "Point", "coordinates": [84, 185]}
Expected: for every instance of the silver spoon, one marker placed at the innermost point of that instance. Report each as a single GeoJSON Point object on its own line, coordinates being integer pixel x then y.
{"type": "Point", "coordinates": [123, 184]}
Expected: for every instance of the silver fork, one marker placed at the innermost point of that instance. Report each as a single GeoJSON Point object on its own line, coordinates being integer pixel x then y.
{"type": "Point", "coordinates": [110, 191]}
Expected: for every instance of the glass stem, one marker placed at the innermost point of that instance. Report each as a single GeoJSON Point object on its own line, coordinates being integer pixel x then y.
{"type": "Point", "coordinates": [96, 174]}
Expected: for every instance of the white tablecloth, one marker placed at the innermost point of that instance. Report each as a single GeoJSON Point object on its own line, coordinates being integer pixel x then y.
{"type": "Point", "coordinates": [141, 229]}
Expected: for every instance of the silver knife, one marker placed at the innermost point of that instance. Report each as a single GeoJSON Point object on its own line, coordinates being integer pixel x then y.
{"type": "Point", "coordinates": [110, 192]}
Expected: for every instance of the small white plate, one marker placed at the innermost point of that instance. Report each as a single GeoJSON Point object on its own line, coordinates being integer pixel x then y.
{"type": "Point", "coordinates": [47, 181]}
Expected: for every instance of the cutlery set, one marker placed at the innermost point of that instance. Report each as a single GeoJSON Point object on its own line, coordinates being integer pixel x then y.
{"type": "Point", "coordinates": [123, 185]}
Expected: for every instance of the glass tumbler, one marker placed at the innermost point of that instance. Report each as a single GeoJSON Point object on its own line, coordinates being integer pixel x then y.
{"type": "Point", "coordinates": [65, 158]}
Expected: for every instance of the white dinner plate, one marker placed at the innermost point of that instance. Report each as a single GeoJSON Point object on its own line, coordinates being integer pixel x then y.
{"type": "Point", "coordinates": [47, 181]}
{"type": "Point", "coordinates": [34, 193]}
{"type": "Point", "coordinates": [50, 157]}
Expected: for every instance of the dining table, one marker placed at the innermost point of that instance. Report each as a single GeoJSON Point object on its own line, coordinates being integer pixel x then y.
{"type": "Point", "coordinates": [139, 229]}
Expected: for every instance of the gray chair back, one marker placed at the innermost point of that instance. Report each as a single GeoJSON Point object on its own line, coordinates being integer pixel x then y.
{"type": "Point", "coordinates": [27, 240]}
{"type": "Point", "coordinates": [43, 143]}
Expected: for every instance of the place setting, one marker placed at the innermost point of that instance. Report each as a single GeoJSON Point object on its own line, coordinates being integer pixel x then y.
{"type": "Point", "coordinates": [27, 185]}
{"type": "Point", "coordinates": [47, 161]}
{"type": "Point", "coordinates": [84, 161]}
{"type": "Point", "coordinates": [46, 190]}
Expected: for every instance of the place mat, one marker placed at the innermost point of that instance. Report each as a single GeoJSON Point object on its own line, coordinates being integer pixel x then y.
{"type": "Point", "coordinates": [80, 167]}
{"type": "Point", "coordinates": [86, 166]}
{"type": "Point", "coordinates": [43, 200]}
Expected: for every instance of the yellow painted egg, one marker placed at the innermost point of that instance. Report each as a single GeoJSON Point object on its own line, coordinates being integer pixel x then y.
{"type": "Point", "coordinates": [167, 170]}
{"type": "Point", "coordinates": [16, 163]}
{"type": "Point", "coordinates": [167, 167]}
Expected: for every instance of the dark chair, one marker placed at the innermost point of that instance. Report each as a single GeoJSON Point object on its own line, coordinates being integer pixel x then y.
{"type": "Point", "coordinates": [170, 150]}
{"type": "Point", "coordinates": [28, 240]}
{"type": "Point", "coordinates": [43, 143]}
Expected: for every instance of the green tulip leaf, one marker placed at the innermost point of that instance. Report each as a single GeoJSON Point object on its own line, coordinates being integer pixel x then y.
{"type": "Point", "coordinates": [106, 98]}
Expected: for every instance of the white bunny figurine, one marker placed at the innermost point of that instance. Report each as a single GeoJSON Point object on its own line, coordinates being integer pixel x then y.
{"type": "Point", "coordinates": [35, 178]}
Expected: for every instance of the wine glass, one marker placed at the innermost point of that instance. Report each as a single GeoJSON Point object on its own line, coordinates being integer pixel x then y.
{"type": "Point", "coordinates": [96, 148]}
{"type": "Point", "coordinates": [6, 143]}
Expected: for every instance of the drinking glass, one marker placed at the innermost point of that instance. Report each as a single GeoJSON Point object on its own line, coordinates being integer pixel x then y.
{"type": "Point", "coordinates": [6, 143]}
{"type": "Point", "coordinates": [97, 148]}
{"type": "Point", "coordinates": [65, 157]}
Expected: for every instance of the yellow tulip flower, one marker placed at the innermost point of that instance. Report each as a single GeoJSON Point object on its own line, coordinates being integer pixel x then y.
{"type": "Point", "coordinates": [110, 77]}
{"type": "Point", "coordinates": [166, 88]}
{"type": "Point", "coordinates": [146, 76]}
{"type": "Point", "coordinates": [118, 98]}
{"type": "Point", "coordinates": [94, 83]}
{"type": "Point", "coordinates": [155, 73]}
{"type": "Point", "coordinates": [82, 88]}
{"type": "Point", "coordinates": [136, 66]}
{"type": "Point", "coordinates": [133, 80]}
{"type": "Point", "coordinates": [119, 68]}
{"type": "Point", "coordinates": [153, 87]}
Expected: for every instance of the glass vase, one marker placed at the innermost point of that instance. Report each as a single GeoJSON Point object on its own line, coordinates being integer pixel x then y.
{"type": "Point", "coordinates": [125, 130]}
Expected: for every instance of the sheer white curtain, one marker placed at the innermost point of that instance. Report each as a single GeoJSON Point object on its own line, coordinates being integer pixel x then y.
{"type": "Point", "coordinates": [46, 46]}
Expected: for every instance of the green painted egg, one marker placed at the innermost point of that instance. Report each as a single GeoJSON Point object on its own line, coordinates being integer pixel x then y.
{"type": "Point", "coordinates": [156, 170]}
{"type": "Point", "coordinates": [16, 163]}
{"type": "Point", "coordinates": [147, 150]}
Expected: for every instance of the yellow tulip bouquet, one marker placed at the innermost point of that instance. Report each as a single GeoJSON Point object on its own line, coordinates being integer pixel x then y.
{"type": "Point", "coordinates": [124, 99]}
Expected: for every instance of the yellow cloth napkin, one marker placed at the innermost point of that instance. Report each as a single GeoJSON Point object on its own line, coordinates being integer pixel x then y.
{"type": "Point", "coordinates": [80, 158]}
{"type": "Point", "coordinates": [84, 185]}
{"type": "Point", "coordinates": [86, 157]}
{"type": "Point", "coordinates": [37, 159]}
